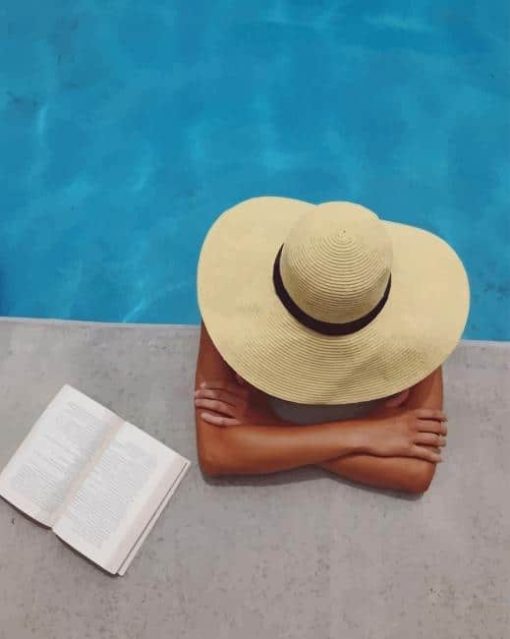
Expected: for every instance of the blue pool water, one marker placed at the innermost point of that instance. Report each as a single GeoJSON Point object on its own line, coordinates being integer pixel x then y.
{"type": "Point", "coordinates": [127, 127]}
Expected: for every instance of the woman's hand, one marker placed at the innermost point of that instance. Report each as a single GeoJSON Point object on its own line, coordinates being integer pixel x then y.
{"type": "Point", "coordinates": [398, 432]}
{"type": "Point", "coordinates": [232, 404]}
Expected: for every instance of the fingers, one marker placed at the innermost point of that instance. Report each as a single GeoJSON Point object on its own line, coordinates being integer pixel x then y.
{"type": "Point", "coordinates": [217, 406]}
{"type": "Point", "coordinates": [430, 439]}
{"type": "Point", "coordinates": [219, 420]}
{"type": "Point", "coordinates": [225, 386]}
{"type": "Point", "coordinates": [431, 426]}
{"type": "Point", "coordinates": [431, 413]}
{"type": "Point", "coordinates": [221, 395]}
{"type": "Point", "coordinates": [221, 404]}
{"type": "Point", "coordinates": [421, 452]}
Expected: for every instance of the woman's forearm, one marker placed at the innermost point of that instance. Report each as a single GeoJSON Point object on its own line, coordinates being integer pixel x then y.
{"type": "Point", "coordinates": [395, 473]}
{"type": "Point", "coordinates": [407, 474]}
{"type": "Point", "coordinates": [248, 449]}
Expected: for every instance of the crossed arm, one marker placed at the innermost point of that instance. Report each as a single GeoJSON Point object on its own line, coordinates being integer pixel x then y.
{"type": "Point", "coordinates": [237, 433]}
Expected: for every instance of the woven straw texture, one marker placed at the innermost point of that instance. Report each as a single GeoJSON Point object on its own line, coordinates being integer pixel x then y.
{"type": "Point", "coordinates": [336, 261]}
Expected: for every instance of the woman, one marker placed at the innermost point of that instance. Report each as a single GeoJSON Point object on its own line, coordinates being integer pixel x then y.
{"type": "Point", "coordinates": [324, 333]}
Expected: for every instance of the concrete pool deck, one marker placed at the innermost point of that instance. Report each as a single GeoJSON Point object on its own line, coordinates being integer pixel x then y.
{"type": "Point", "coordinates": [300, 555]}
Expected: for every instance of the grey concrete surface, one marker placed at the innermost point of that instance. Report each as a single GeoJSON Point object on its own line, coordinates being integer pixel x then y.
{"type": "Point", "coordinates": [300, 555]}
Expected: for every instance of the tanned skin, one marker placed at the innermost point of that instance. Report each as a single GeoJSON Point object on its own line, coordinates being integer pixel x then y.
{"type": "Point", "coordinates": [396, 446]}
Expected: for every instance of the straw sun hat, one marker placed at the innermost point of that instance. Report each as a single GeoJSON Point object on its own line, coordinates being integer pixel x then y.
{"type": "Point", "coordinates": [328, 304]}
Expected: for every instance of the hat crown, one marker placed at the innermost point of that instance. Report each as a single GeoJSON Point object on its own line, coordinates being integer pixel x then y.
{"type": "Point", "coordinates": [336, 262]}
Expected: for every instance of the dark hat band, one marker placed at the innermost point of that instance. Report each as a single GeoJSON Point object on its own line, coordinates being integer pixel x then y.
{"type": "Point", "coordinates": [325, 328]}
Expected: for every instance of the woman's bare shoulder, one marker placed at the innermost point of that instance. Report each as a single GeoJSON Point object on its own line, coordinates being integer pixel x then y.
{"type": "Point", "coordinates": [210, 364]}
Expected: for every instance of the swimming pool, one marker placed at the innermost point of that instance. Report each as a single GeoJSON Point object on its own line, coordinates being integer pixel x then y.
{"type": "Point", "coordinates": [126, 128]}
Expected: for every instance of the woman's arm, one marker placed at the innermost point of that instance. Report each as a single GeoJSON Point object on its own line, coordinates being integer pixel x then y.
{"type": "Point", "coordinates": [261, 446]}
{"type": "Point", "coordinates": [397, 473]}
{"type": "Point", "coordinates": [256, 442]}
{"type": "Point", "coordinates": [252, 449]}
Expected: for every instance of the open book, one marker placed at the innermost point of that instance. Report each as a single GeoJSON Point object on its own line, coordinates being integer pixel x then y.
{"type": "Point", "coordinates": [99, 482]}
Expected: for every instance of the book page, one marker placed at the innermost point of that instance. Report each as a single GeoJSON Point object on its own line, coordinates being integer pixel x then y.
{"type": "Point", "coordinates": [118, 497]}
{"type": "Point", "coordinates": [136, 546]}
{"type": "Point", "coordinates": [61, 443]}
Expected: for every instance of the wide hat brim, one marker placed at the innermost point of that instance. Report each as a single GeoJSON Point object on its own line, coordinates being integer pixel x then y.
{"type": "Point", "coordinates": [419, 326]}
